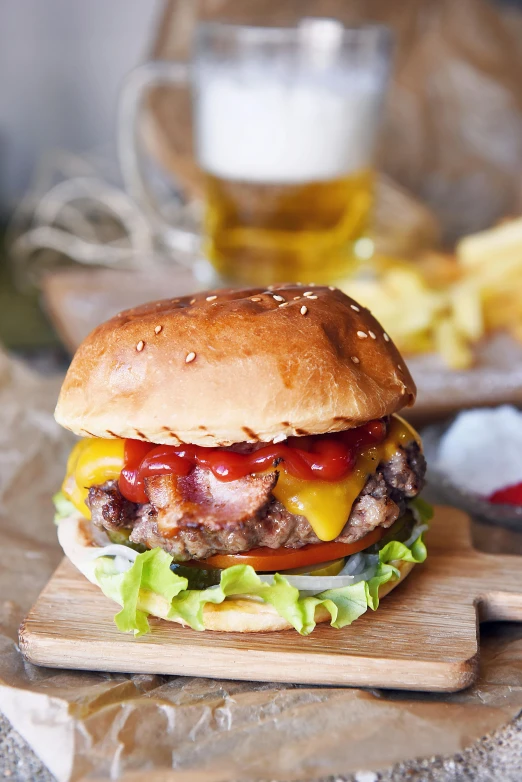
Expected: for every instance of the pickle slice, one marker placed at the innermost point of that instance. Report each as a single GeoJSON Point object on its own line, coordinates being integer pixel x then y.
{"type": "Point", "coordinates": [198, 578]}
{"type": "Point", "coordinates": [332, 568]}
{"type": "Point", "coordinates": [121, 537]}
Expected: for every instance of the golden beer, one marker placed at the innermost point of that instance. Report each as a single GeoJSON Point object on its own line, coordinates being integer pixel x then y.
{"type": "Point", "coordinates": [285, 123]}
{"type": "Point", "coordinates": [262, 233]}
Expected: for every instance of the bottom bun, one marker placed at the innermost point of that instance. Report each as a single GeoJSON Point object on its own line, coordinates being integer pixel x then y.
{"type": "Point", "coordinates": [233, 615]}
{"type": "Point", "coordinates": [246, 615]}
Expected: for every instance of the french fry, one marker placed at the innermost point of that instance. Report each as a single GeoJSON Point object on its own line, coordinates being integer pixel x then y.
{"type": "Point", "coordinates": [448, 303]}
{"type": "Point", "coordinates": [467, 310]}
{"type": "Point", "coordinates": [502, 311]}
{"type": "Point", "coordinates": [400, 299]}
{"type": "Point", "coordinates": [452, 345]}
{"type": "Point", "coordinates": [439, 270]}
{"type": "Point", "coordinates": [484, 247]}
{"type": "Point", "coordinates": [420, 342]}
{"type": "Point", "coordinates": [498, 272]}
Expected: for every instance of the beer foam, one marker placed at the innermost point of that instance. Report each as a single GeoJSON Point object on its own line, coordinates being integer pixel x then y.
{"type": "Point", "coordinates": [255, 127]}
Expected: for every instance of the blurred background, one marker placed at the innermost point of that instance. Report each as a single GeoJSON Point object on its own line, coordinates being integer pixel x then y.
{"type": "Point", "coordinates": [148, 150]}
{"type": "Point", "coordinates": [373, 145]}
{"type": "Point", "coordinates": [63, 64]}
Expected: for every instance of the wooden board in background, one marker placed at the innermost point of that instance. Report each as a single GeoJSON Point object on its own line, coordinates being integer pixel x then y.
{"type": "Point", "coordinates": [424, 635]}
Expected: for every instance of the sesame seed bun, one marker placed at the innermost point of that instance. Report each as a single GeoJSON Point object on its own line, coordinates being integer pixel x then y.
{"type": "Point", "coordinates": [230, 366]}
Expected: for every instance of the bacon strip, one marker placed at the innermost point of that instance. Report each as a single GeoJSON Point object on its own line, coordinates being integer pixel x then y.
{"type": "Point", "coordinates": [201, 499]}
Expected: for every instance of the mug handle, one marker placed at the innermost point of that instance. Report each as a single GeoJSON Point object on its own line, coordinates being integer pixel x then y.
{"type": "Point", "coordinates": [151, 74]}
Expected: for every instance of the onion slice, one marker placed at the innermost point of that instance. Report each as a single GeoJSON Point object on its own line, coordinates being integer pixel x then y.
{"type": "Point", "coordinates": [316, 584]}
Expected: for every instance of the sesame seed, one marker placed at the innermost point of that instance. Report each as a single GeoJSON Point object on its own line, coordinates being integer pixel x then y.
{"type": "Point", "coordinates": [140, 346]}
{"type": "Point", "coordinates": [355, 359]}
{"type": "Point", "coordinates": [190, 357]}
{"type": "Point", "coordinates": [331, 287]}
{"type": "Point", "coordinates": [211, 298]}
{"type": "Point", "coordinates": [386, 337]}
{"type": "Point", "coordinates": [192, 301]}
{"type": "Point", "coordinates": [362, 335]}
{"type": "Point", "coordinates": [255, 298]}
{"type": "Point", "coordinates": [308, 293]}
{"type": "Point", "coordinates": [311, 297]}
{"type": "Point", "coordinates": [296, 297]}
{"type": "Point", "coordinates": [284, 304]}
{"type": "Point", "coordinates": [303, 310]}
{"type": "Point", "coordinates": [278, 298]}
{"type": "Point", "coordinates": [158, 329]}
{"type": "Point", "coordinates": [372, 335]}
{"type": "Point", "coordinates": [354, 307]}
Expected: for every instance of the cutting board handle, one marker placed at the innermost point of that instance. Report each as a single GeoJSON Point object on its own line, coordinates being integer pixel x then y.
{"type": "Point", "coordinates": [498, 587]}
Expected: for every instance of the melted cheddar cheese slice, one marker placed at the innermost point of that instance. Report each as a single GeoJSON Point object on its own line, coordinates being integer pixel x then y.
{"type": "Point", "coordinates": [92, 462]}
{"type": "Point", "coordinates": [325, 504]}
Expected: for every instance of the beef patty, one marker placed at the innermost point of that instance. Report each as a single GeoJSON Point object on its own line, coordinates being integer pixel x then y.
{"type": "Point", "coordinates": [198, 516]}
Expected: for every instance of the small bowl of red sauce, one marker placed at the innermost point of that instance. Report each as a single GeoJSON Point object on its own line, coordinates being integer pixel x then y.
{"type": "Point", "coordinates": [475, 464]}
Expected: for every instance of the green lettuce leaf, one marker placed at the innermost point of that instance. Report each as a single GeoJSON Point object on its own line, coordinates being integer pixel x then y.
{"type": "Point", "coordinates": [150, 586]}
{"type": "Point", "coordinates": [422, 510]}
{"type": "Point", "coordinates": [63, 507]}
{"type": "Point", "coordinates": [350, 603]}
{"type": "Point", "coordinates": [150, 573]}
{"type": "Point", "coordinates": [394, 550]}
{"type": "Point", "coordinates": [344, 605]}
{"type": "Point", "coordinates": [385, 573]}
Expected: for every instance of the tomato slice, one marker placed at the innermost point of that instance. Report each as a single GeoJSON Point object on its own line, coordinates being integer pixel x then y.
{"type": "Point", "coordinates": [279, 559]}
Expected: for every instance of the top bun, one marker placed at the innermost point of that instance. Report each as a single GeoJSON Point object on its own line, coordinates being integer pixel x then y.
{"type": "Point", "coordinates": [229, 366]}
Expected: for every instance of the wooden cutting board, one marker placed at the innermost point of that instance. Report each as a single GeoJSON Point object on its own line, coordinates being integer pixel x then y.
{"type": "Point", "coordinates": [424, 635]}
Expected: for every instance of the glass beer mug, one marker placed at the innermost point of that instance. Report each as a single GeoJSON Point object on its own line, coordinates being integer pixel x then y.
{"type": "Point", "coordinates": [285, 123]}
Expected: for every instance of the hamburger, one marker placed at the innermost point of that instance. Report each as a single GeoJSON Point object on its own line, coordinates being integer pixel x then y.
{"type": "Point", "coordinates": [242, 465]}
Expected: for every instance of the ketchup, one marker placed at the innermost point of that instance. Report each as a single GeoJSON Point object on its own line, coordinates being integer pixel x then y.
{"type": "Point", "coordinates": [328, 457]}
{"type": "Point", "coordinates": [511, 495]}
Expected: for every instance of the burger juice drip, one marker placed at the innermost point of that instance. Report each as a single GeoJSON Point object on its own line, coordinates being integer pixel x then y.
{"type": "Point", "coordinates": [330, 457]}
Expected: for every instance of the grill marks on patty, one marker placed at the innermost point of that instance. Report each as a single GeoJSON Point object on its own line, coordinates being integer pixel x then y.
{"type": "Point", "coordinates": [197, 516]}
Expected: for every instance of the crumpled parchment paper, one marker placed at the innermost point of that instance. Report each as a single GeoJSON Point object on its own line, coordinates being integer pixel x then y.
{"type": "Point", "coordinates": [94, 726]}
